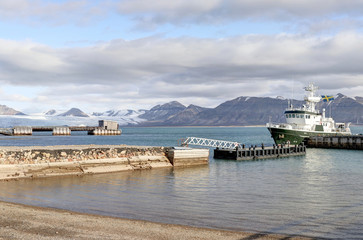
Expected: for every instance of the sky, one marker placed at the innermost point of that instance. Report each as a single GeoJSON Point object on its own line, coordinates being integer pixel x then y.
{"type": "Point", "coordinates": [134, 54]}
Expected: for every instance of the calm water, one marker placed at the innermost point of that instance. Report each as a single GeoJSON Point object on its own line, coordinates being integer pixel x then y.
{"type": "Point", "coordinates": [320, 194]}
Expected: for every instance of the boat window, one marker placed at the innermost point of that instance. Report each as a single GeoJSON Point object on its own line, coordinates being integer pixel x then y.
{"type": "Point", "coordinates": [290, 115]}
{"type": "Point", "coordinates": [287, 115]}
{"type": "Point", "coordinates": [293, 115]}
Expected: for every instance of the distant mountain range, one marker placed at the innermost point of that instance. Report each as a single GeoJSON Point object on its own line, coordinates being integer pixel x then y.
{"type": "Point", "coordinates": [5, 110]}
{"type": "Point", "coordinates": [240, 111]}
{"type": "Point", "coordinates": [73, 112]}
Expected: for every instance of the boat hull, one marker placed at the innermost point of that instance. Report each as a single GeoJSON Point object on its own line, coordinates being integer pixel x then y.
{"type": "Point", "coordinates": [295, 137]}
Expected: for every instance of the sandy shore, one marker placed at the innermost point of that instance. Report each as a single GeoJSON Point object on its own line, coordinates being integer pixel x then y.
{"type": "Point", "coordinates": [25, 222]}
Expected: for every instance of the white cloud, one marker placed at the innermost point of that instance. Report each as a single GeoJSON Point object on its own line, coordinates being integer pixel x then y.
{"type": "Point", "coordinates": [221, 11]}
{"type": "Point", "coordinates": [53, 13]}
{"type": "Point", "coordinates": [145, 71]}
{"type": "Point", "coordinates": [148, 14]}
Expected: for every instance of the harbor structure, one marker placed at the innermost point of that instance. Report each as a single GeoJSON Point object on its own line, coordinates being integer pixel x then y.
{"type": "Point", "coordinates": [306, 121]}
{"type": "Point", "coordinates": [185, 156]}
{"type": "Point", "coordinates": [47, 161]}
{"type": "Point", "coordinates": [237, 151]}
{"type": "Point", "coordinates": [336, 142]}
{"type": "Point", "coordinates": [105, 127]}
{"type": "Point", "coordinates": [256, 153]}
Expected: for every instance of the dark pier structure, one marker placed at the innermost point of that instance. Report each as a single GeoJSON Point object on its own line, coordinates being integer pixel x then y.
{"type": "Point", "coordinates": [337, 142]}
{"type": "Point", "coordinates": [255, 153]}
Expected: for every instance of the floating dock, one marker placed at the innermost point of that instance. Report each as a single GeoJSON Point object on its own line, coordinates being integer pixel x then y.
{"type": "Point", "coordinates": [238, 151]}
{"type": "Point", "coordinates": [255, 153]}
{"type": "Point", "coordinates": [337, 142]}
{"type": "Point", "coordinates": [105, 127]}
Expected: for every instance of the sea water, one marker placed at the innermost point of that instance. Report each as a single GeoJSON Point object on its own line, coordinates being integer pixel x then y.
{"type": "Point", "coordinates": [318, 195]}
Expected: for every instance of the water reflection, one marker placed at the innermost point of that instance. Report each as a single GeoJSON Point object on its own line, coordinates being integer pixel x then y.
{"type": "Point", "coordinates": [319, 194]}
{"type": "Point", "coordinates": [293, 195]}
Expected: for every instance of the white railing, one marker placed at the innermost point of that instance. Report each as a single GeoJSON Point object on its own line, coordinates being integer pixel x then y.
{"type": "Point", "coordinates": [210, 143]}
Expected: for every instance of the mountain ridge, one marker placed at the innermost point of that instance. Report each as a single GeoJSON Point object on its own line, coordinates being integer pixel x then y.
{"type": "Point", "coordinates": [240, 111]}
{"type": "Point", "coordinates": [73, 112]}
{"type": "Point", "coordinates": [5, 110]}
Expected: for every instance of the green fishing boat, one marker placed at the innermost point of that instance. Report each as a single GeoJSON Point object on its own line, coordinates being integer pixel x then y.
{"type": "Point", "coordinates": [307, 121]}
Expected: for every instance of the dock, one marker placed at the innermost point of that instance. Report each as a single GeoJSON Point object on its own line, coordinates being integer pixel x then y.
{"type": "Point", "coordinates": [104, 127]}
{"type": "Point", "coordinates": [336, 142]}
{"type": "Point", "coordinates": [255, 153]}
{"type": "Point", "coordinates": [237, 151]}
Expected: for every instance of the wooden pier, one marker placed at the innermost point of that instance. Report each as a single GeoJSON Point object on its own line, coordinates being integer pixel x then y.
{"type": "Point", "coordinates": [255, 153]}
{"type": "Point", "coordinates": [104, 128]}
{"type": "Point", "coordinates": [337, 142]}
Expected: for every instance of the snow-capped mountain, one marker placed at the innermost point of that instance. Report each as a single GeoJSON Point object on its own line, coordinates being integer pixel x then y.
{"type": "Point", "coordinates": [119, 113]}
{"type": "Point", "coordinates": [5, 110]}
{"type": "Point", "coordinates": [51, 112]}
{"type": "Point", "coordinates": [73, 112]}
{"type": "Point", "coordinates": [235, 112]}
{"type": "Point", "coordinates": [124, 117]}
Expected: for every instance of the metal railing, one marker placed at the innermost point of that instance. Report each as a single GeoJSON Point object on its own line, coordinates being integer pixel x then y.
{"type": "Point", "coordinates": [210, 143]}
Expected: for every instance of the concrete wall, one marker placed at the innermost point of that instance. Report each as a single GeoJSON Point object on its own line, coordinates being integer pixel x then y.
{"type": "Point", "coordinates": [26, 162]}
{"type": "Point", "coordinates": [61, 131]}
{"type": "Point", "coordinates": [104, 132]}
{"type": "Point", "coordinates": [188, 156]}
{"type": "Point", "coordinates": [22, 130]}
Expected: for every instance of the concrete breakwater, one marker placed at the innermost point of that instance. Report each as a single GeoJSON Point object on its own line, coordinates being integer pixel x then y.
{"type": "Point", "coordinates": [45, 161]}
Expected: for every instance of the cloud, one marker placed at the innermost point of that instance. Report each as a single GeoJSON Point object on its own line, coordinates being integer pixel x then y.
{"type": "Point", "coordinates": [221, 11]}
{"type": "Point", "coordinates": [144, 71]}
{"type": "Point", "coordinates": [52, 13]}
{"type": "Point", "coordinates": [152, 14]}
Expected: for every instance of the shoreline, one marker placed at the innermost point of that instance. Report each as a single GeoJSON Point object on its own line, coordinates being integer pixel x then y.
{"type": "Point", "coordinates": [19, 221]}
{"type": "Point", "coordinates": [183, 126]}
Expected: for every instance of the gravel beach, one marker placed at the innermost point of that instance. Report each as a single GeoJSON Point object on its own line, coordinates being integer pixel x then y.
{"type": "Point", "coordinates": [19, 221]}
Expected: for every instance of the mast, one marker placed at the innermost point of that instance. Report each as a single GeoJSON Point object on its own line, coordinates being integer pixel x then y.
{"type": "Point", "coordinates": [311, 99]}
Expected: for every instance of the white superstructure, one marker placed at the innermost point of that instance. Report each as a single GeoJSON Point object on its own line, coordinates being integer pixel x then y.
{"type": "Point", "coordinates": [306, 121]}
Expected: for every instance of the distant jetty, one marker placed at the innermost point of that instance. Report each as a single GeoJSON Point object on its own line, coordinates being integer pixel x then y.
{"type": "Point", "coordinates": [105, 127]}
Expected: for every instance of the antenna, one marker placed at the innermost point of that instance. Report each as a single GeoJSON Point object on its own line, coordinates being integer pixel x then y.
{"type": "Point", "coordinates": [292, 93]}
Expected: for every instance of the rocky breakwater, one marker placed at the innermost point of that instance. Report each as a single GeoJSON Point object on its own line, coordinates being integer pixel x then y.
{"type": "Point", "coordinates": [44, 161]}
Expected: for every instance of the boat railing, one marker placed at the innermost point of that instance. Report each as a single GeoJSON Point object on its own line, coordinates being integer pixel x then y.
{"type": "Point", "coordinates": [290, 126]}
